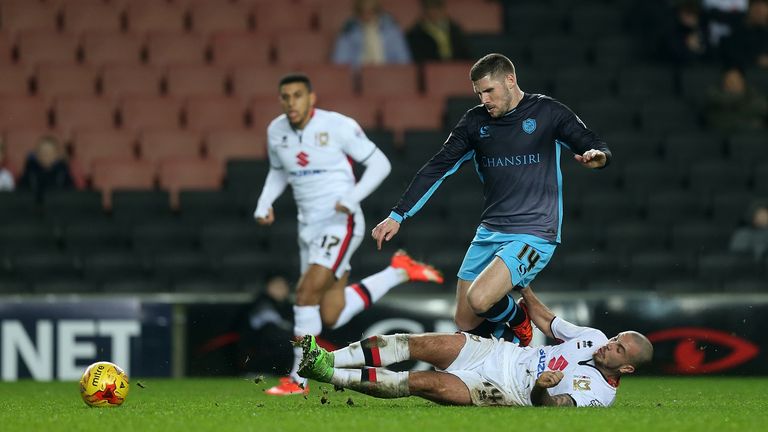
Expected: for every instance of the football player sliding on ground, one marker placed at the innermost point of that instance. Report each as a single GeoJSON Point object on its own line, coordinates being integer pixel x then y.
{"type": "Point", "coordinates": [582, 371]}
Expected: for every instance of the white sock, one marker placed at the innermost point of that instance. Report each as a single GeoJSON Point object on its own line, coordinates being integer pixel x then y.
{"type": "Point", "coordinates": [360, 296]}
{"type": "Point", "coordinates": [307, 321]}
{"type": "Point", "coordinates": [377, 382]}
{"type": "Point", "coordinates": [375, 351]}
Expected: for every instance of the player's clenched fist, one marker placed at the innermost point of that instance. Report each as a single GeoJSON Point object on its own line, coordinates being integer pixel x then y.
{"type": "Point", "coordinates": [265, 219]}
{"type": "Point", "coordinates": [549, 379]}
{"type": "Point", "coordinates": [384, 231]}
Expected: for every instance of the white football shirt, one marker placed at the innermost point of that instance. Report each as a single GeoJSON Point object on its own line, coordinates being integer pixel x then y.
{"type": "Point", "coordinates": [581, 380]}
{"type": "Point", "coordinates": [315, 160]}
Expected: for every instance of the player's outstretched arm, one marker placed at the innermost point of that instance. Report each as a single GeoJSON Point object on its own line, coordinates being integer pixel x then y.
{"type": "Point", "coordinates": [384, 231]}
{"type": "Point", "coordinates": [541, 397]}
{"type": "Point", "coordinates": [540, 314]}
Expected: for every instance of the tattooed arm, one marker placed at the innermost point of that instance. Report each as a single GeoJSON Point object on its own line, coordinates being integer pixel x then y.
{"type": "Point", "coordinates": [541, 397]}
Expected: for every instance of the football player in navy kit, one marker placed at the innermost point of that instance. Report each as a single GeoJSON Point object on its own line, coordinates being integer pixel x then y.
{"type": "Point", "coordinates": [514, 140]}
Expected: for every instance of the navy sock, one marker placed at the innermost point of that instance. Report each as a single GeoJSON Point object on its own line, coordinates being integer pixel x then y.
{"type": "Point", "coordinates": [505, 310]}
{"type": "Point", "coordinates": [485, 329]}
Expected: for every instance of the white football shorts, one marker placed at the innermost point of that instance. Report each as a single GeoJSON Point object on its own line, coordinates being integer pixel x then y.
{"type": "Point", "coordinates": [331, 242]}
{"type": "Point", "coordinates": [489, 368]}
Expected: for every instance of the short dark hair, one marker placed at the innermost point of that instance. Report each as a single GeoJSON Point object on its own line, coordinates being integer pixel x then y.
{"type": "Point", "coordinates": [294, 78]}
{"type": "Point", "coordinates": [492, 64]}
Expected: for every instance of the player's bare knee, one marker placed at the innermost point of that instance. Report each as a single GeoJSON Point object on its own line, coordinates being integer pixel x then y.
{"type": "Point", "coordinates": [478, 300]}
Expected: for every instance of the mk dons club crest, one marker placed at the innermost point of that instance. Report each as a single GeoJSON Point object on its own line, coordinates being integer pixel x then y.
{"type": "Point", "coordinates": [321, 139]}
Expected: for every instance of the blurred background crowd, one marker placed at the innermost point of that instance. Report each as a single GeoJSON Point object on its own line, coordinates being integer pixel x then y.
{"type": "Point", "coordinates": [133, 135]}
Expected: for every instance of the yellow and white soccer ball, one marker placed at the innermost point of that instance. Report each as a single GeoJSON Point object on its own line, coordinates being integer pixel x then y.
{"type": "Point", "coordinates": [104, 384]}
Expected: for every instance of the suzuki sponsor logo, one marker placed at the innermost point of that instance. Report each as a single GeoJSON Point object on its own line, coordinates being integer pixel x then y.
{"type": "Point", "coordinates": [302, 159]}
{"type": "Point", "coordinates": [559, 363]}
{"type": "Point", "coordinates": [542, 362]}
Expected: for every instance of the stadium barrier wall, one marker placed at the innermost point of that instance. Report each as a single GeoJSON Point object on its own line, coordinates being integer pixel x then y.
{"type": "Point", "coordinates": [54, 339]}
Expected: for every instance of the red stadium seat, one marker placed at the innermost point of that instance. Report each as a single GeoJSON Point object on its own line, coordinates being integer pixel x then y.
{"type": "Point", "coordinates": [194, 173]}
{"type": "Point", "coordinates": [288, 18]}
{"type": "Point", "coordinates": [223, 145]}
{"type": "Point", "coordinates": [37, 47]}
{"type": "Point", "coordinates": [405, 12]}
{"type": "Point", "coordinates": [156, 145]}
{"type": "Point", "coordinates": [477, 17]}
{"type": "Point", "coordinates": [389, 80]}
{"type": "Point", "coordinates": [91, 145]}
{"type": "Point", "coordinates": [255, 81]}
{"type": "Point", "coordinates": [329, 80]}
{"type": "Point", "coordinates": [15, 81]}
{"type": "Point", "coordinates": [208, 17]}
{"type": "Point", "coordinates": [19, 143]}
{"type": "Point", "coordinates": [240, 49]}
{"type": "Point", "coordinates": [365, 112]}
{"type": "Point", "coordinates": [124, 80]}
{"type": "Point", "coordinates": [5, 50]}
{"type": "Point", "coordinates": [89, 15]}
{"type": "Point", "coordinates": [196, 81]}
{"type": "Point", "coordinates": [20, 112]}
{"type": "Point", "coordinates": [73, 113]}
{"type": "Point", "coordinates": [110, 48]}
{"type": "Point", "coordinates": [24, 15]}
{"type": "Point", "coordinates": [110, 174]}
{"type": "Point", "coordinates": [151, 16]}
{"type": "Point", "coordinates": [164, 49]}
{"type": "Point", "coordinates": [315, 48]}
{"type": "Point", "coordinates": [207, 113]}
{"type": "Point", "coordinates": [263, 111]}
{"type": "Point", "coordinates": [332, 14]}
{"type": "Point", "coordinates": [139, 113]}
{"type": "Point", "coordinates": [66, 80]}
{"type": "Point", "coordinates": [443, 80]}
{"type": "Point", "coordinates": [420, 113]}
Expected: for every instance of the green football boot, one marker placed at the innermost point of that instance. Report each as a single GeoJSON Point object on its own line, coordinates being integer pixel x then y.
{"type": "Point", "coordinates": [316, 362]}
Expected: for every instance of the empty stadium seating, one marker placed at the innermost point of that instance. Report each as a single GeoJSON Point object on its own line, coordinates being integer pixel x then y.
{"type": "Point", "coordinates": [162, 107]}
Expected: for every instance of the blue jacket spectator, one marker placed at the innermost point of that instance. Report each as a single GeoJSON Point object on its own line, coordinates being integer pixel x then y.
{"type": "Point", "coordinates": [370, 37]}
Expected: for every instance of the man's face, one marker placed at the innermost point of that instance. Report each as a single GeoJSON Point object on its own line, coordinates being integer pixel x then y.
{"type": "Point", "coordinates": [297, 103]}
{"type": "Point", "coordinates": [495, 93]}
{"type": "Point", "coordinates": [47, 154]}
{"type": "Point", "coordinates": [616, 353]}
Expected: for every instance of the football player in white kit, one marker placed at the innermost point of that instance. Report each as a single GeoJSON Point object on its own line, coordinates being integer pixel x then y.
{"type": "Point", "coordinates": [584, 370]}
{"type": "Point", "coordinates": [311, 150]}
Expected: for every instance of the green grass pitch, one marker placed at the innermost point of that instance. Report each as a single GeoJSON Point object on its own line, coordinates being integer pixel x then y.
{"type": "Point", "coordinates": [238, 404]}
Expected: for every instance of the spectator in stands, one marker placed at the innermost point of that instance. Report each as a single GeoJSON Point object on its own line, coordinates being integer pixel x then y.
{"type": "Point", "coordinates": [748, 46]}
{"type": "Point", "coordinates": [435, 37]}
{"type": "Point", "coordinates": [370, 36]}
{"type": "Point", "coordinates": [684, 37]}
{"type": "Point", "coordinates": [6, 178]}
{"type": "Point", "coordinates": [46, 169]}
{"type": "Point", "coordinates": [735, 106]}
{"type": "Point", "coordinates": [753, 239]}
{"type": "Point", "coordinates": [268, 329]}
{"type": "Point", "coordinates": [723, 16]}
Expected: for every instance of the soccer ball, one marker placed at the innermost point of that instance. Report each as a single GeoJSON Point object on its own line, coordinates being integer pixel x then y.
{"type": "Point", "coordinates": [104, 384]}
